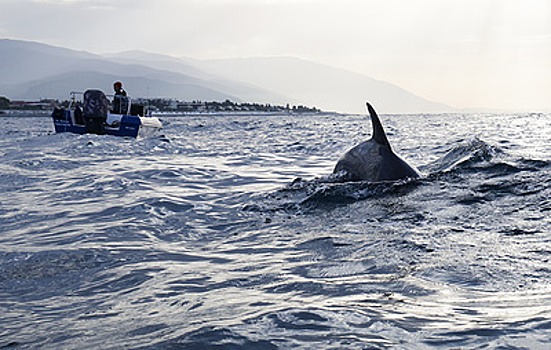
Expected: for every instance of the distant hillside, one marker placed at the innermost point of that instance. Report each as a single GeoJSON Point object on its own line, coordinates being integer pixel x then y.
{"type": "Point", "coordinates": [22, 61]}
{"type": "Point", "coordinates": [60, 85]}
{"type": "Point", "coordinates": [31, 70]}
{"type": "Point", "coordinates": [325, 87]}
{"type": "Point", "coordinates": [245, 91]}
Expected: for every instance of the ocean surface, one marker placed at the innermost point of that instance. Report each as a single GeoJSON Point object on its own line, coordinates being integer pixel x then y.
{"type": "Point", "coordinates": [228, 232]}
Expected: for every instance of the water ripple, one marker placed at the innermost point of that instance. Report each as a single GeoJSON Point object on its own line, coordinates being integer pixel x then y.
{"type": "Point", "coordinates": [246, 240]}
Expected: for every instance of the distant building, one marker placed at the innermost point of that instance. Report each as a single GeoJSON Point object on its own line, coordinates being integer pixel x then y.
{"type": "Point", "coordinates": [44, 104]}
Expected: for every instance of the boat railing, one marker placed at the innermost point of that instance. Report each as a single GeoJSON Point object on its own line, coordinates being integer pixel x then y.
{"type": "Point", "coordinates": [125, 105]}
{"type": "Point", "coordinates": [73, 101]}
{"type": "Point", "coordinates": [120, 104]}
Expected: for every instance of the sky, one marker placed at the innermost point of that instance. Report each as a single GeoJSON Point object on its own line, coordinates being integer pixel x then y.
{"type": "Point", "coordinates": [465, 53]}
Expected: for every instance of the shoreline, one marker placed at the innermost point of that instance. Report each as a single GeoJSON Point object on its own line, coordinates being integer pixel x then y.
{"type": "Point", "coordinates": [40, 113]}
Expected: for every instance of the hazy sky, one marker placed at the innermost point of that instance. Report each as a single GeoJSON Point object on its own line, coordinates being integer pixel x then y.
{"type": "Point", "coordinates": [466, 53]}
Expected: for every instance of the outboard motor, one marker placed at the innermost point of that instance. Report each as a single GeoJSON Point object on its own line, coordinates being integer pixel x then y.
{"type": "Point", "coordinates": [95, 109]}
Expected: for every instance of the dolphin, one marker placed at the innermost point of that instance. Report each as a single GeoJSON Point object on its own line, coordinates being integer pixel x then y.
{"type": "Point", "coordinates": [373, 160]}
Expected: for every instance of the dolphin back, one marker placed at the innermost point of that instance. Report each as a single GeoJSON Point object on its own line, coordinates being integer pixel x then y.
{"type": "Point", "coordinates": [374, 160]}
{"type": "Point", "coordinates": [371, 161]}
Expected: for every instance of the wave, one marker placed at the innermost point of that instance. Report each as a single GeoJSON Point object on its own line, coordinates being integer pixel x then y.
{"type": "Point", "coordinates": [486, 169]}
{"type": "Point", "coordinates": [210, 338]}
{"type": "Point", "coordinates": [326, 193]}
{"type": "Point", "coordinates": [463, 156]}
{"type": "Point", "coordinates": [481, 157]}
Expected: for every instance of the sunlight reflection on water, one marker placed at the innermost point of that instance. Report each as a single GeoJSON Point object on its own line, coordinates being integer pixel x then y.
{"type": "Point", "coordinates": [242, 239]}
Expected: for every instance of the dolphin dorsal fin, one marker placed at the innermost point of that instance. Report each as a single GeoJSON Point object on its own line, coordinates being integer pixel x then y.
{"type": "Point", "coordinates": [379, 135]}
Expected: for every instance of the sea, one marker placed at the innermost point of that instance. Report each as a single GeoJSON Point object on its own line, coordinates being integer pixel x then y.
{"type": "Point", "coordinates": [230, 232]}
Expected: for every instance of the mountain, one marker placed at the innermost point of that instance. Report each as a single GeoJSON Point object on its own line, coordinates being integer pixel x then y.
{"type": "Point", "coordinates": [60, 85]}
{"type": "Point", "coordinates": [22, 61]}
{"type": "Point", "coordinates": [30, 70]}
{"type": "Point", "coordinates": [303, 82]}
{"type": "Point", "coordinates": [323, 86]}
{"type": "Point", "coordinates": [246, 91]}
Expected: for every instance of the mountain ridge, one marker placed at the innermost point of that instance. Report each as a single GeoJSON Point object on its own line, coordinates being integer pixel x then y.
{"type": "Point", "coordinates": [32, 70]}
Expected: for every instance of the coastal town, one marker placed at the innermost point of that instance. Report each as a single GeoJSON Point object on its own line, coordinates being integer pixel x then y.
{"type": "Point", "coordinates": [162, 105]}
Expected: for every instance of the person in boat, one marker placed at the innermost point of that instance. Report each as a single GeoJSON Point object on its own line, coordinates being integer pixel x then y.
{"type": "Point", "coordinates": [120, 101]}
{"type": "Point", "coordinates": [79, 118]}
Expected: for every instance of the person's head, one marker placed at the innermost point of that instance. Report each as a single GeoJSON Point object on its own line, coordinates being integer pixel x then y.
{"type": "Point", "coordinates": [117, 86]}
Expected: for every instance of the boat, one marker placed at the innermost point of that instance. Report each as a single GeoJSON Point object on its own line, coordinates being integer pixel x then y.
{"type": "Point", "coordinates": [94, 114]}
